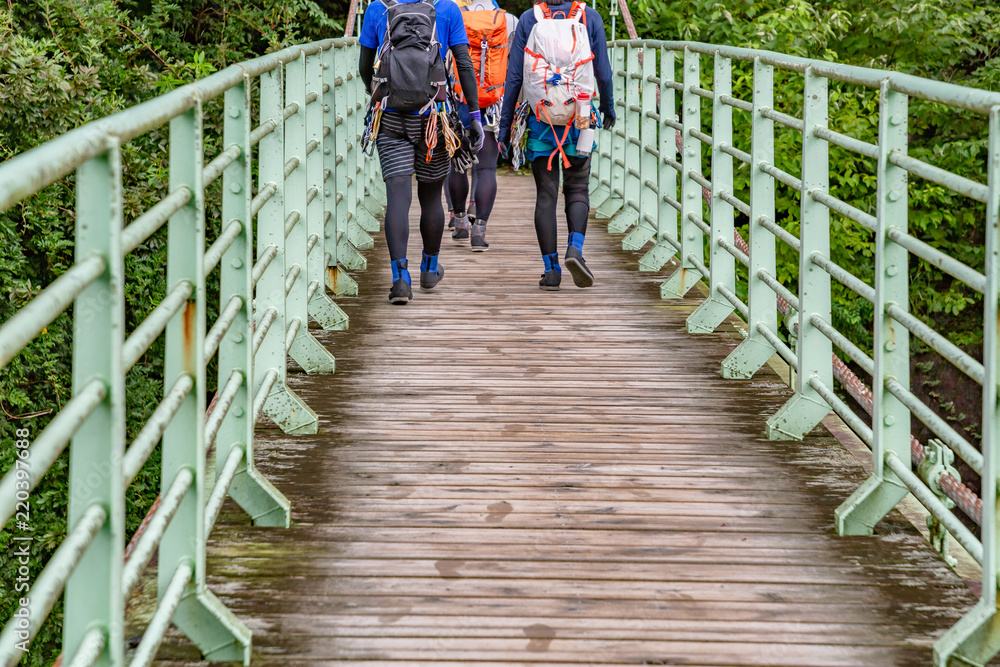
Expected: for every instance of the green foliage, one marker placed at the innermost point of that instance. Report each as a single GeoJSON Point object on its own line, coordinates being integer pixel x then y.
{"type": "Point", "coordinates": [64, 63]}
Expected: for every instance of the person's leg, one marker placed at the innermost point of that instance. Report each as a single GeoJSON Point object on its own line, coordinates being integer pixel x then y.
{"type": "Point", "coordinates": [473, 206]}
{"type": "Point", "coordinates": [396, 156]}
{"type": "Point", "coordinates": [485, 176]}
{"type": "Point", "coordinates": [546, 196]}
{"type": "Point", "coordinates": [458, 187]}
{"type": "Point", "coordinates": [430, 179]}
{"type": "Point", "coordinates": [451, 207]}
{"type": "Point", "coordinates": [576, 192]}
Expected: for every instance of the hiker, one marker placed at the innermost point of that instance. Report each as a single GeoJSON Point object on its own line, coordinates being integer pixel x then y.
{"type": "Point", "coordinates": [408, 116]}
{"type": "Point", "coordinates": [489, 29]}
{"type": "Point", "coordinates": [557, 53]}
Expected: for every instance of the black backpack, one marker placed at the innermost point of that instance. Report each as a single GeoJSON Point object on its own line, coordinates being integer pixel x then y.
{"type": "Point", "coordinates": [410, 73]}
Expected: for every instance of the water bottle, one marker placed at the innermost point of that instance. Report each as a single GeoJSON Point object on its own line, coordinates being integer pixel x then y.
{"type": "Point", "coordinates": [582, 120]}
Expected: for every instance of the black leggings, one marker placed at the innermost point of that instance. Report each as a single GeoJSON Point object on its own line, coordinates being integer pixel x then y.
{"type": "Point", "coordinates": [484, 181]}
{"type": "Point", "coordinates": [399, 195]}
{"type": "Point", "coordinates": [576, 191]}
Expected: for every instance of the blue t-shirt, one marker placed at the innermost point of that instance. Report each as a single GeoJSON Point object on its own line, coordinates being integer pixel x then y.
{"type": "Point", "coordinates": [450, 26]}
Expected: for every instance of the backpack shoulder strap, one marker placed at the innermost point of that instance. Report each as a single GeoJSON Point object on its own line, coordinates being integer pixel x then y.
{"type": "Point", "coordinates": [578, 12]}
{"type": "Point", "coordinates": [542, 11]}
{"type": "Point", "coordinates": [388, 3]}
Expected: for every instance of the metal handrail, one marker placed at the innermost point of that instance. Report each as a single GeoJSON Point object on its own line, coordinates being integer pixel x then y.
{"type": "Point", "coordinates": [661, 199]}
{"type": "Point", "coordinates": [251, 357]}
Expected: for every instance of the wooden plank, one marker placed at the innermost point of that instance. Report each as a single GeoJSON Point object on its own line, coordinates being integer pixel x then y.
{"type": "Point", "coordinates": [509, 477]}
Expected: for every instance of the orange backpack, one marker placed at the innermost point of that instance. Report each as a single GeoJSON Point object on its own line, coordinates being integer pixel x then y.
{"type": "Point", "coordinates": [489, 48]}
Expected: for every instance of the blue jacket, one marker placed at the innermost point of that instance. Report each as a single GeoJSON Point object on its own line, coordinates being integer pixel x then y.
{"type": "Point", "coordinates": [515, 65]}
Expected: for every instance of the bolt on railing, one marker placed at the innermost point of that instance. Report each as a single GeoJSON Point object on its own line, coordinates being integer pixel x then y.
{"type": "Point", "coordinates": [625, 186]}
{"type": "Point", "coordinates": [315, 199]}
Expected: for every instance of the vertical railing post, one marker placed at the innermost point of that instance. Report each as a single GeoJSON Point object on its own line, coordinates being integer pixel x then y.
{"type": "Point", "coordinates": [645, 231]}
{"type": "Point", "coordinates": [716, 308]}
{"type": "Point", "coordinates": [890, 418]}
{"type": "Point", "coordinates": [691, 237]}
{"type": "Point", "coordinates": [363, 222]}
{"type": "Point", "coordinates": [321, 307]}
{"type": "Point", "coordinates": [94, 590]}
{"type": "Point", "coordinates": [347, 226]}
{"type": "Point", "coordinates": [600, 176]}
{"type": "Point", "coordinates": [339, 250]}
{"type": "Point", "coordinates": [975, 639]}
{"type": "Point", "coordinates": [666, 201]}
{"type": "Point", "coordinates": [283, 406]}
{"type": "Point", "coordinates": [200, 615]}
{"type": "Point", "coordinates": [630, 121]}
{"type": "Point", "coordinates": [616, 168]}
{"type": "Point", "coordinates": [754, 352]}
{"type": "Point", "coordinates": [308, 352]}
{"type": "Point", "coordinates": [807, 408]}
{"type": "Point", "coordinates": [251, 491]}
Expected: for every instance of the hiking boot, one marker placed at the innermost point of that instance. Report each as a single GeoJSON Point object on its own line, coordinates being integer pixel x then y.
{"type": "Point", "coordinates": [550, 281]}
{"type": "Point", "coordinates": [479, 243]}
{"type": "Point", "coordinates": [582, 276]}
{"type": "Point", "coordinates": [431, 272]}
{"type": "Point", "coordinates": [461, 231]}
{"type": "Point", "coordinates": [401, 293]}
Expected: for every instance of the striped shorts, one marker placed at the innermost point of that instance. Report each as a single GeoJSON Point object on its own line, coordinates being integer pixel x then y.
{"type": "Point", "coordinates": [402, 148]}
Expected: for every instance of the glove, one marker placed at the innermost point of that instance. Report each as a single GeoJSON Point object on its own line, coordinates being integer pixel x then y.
{"type": "Point", "coordinates": [609, 119]}
{"type": "Point", "coordinates": [476, 134]}
{"type": "Point", "coordinates": [503, 148]}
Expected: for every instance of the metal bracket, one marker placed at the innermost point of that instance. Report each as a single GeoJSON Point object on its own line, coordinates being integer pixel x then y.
{"type": "Point", "coordinates": [938, 460]}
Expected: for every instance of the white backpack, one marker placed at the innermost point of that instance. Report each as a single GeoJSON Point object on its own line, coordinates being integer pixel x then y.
{"type": "Point", "coordinates": [558, 64]}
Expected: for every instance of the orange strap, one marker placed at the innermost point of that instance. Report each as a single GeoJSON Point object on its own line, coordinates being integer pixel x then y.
{"type": "Point", "coordinates": [559, 142]}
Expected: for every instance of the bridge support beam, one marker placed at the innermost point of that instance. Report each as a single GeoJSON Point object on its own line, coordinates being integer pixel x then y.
{"type": "Point", "coordinates": [750, 355]}
{"type": "Point", "coordinates": [691, 240]}
{"type": "Point", "coordinates": [976, 638]}
{"type": "Point", "coordinates": [722, 298]}
{"type": "Point", "coordinates": [616, 144]}
{"type": "Point", "coordinates": [890, 418]}
{"type": "Point", "coordinates": [251, 490]}
{"type": "Point", "coordinates": [814, 359]}
{"type": "Point", "coordinates": [217, 633]}
{"type": "Point", "coordinates": [648, 160]}
{"type": "Point", "coordinates": [666, 180]}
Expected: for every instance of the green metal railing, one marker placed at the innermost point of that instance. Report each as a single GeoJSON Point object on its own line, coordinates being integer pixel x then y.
{"type": "Point", "coordinates": [649, 181]}
{"type": "Point", "coordinates": [312, 209]}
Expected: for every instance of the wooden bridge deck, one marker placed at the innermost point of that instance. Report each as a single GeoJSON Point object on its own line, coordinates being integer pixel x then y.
{"type": "Point", "coordinates": [509, 476]}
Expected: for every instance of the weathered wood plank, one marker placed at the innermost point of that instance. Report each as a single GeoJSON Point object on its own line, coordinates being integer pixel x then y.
{"type": "Point", "coordinates": [509, 477]}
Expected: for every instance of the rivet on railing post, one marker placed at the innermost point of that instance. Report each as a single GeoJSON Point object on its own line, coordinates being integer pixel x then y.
{"type": "Point", "coordinates": [814, 354]}
{"type": "Point", "coordinates": [755, 350]}
{"type": "Point", "coordinates": [616, 143]}
{"type": "Point", "coordinates": [251, 491]}
{"type": "Point", "coordinates": [716, 308]}
{"type": "Point", "coordinates": [94, 590]}
{"type": "Point", "coordinates": [883, 489]}
{"type": "Point", "coordinates": [975, 637]}
{"type": "Point", "coordinates": [629, 120]}
{"type": "Point", "coordinates": [200, 615]}
{"type": "Point", "coordinates": [687, 274]}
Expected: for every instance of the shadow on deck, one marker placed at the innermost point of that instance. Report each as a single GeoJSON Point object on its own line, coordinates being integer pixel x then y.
{"type": "Point", "coordinates": [504, 475]}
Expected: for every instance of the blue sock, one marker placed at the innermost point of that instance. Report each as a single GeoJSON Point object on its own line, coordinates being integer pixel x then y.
{"type": "Point", "coordinates": [552, 262]}
{"type": "Point", "coordinates": [399, 270]}
{"type": "Point", "coordinates": [429, 263]}
{"type": "Point", "coordinates": [575, 240]}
